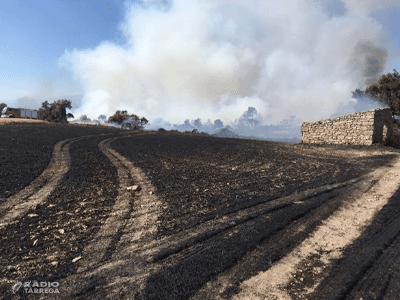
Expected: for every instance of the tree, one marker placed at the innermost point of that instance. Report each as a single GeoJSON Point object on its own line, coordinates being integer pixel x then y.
{"type": "Point", "coordinates": [84, 118]}
{"type": "Point", "coordinates": [55, 112]}
{"type": "Point", "coordinates": [143, 122]}
{"type": "Point", "coordinates": [128, 121]}
{"type": "Point", "coordinates": [197, 123]}
{"type": "Point", "coordinates": [59, 110]}
{"type": "Point", "coordinates": [386, 91]}
{"type": "Point", "coordinates": [102, 118]}
{"type": "Point", "coordinates": [134, 118]}
{"type": "Point", "coordinates": [250, 118]}
{"type": "Point", "coordinates": [44, 113]}
{"type": "Point", "coordinates": [119, 117]}
{"type": "Point", "coordinates": [218, 124]}
{"type": "Point", "coordinates": [2, 106]}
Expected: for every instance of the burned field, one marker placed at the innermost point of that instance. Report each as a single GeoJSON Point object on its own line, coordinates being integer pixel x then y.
{"type": "Point", "coordinates": [208, 208]}
{"type": "Point", "coordinates": [202, 178]}
{"type": "Point", "coordinates": [26, 150]}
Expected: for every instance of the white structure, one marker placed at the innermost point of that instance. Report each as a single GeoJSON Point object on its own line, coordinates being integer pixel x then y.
{"type": "Point", "coordinates": [28, 113]}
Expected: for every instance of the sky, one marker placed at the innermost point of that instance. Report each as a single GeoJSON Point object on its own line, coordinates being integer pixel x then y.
{"type": "Point", "coordinates": [189, 59]}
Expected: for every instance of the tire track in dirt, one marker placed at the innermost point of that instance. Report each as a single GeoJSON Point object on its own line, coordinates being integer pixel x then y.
{"type": "Point", "coordinates": [279, 243]}
{"type": "Point", "coordinates": [35, 193]}
{"type": "Point", "coordinates": [326, 243]}
{"type": "Point", "coordinates": [152, 255]}
{"type": "Point", "coordinates": [178, 251]}
{"type": "Point", "coordinates": [94, 261]}
{"type": "Point", "coordinates": [96, 252]}
{"type": "Point", "coordinates": [382, 280]}
{"type": "Point", "coordinates": [369, 268]}
{"type": "Point", "coordinates": [178, 242]}
{"type": "Point", "coordinates": [125, 253]}
{"type": "Point", "coordinates": [137, 259]}
{"type": "Point", "coordinates": [132, 220]}
{"type": "Point", "coordinates": [182, 274]}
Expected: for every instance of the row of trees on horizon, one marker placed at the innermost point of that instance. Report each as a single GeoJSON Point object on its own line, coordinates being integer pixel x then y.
{"type": "Point", "coordinates": [56, 112]}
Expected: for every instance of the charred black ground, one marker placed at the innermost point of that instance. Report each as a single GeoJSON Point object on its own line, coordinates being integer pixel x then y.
{"type": "Point", "coordinates": [26, 150]}
{"type": "Point", "coordinates": [200, 178]}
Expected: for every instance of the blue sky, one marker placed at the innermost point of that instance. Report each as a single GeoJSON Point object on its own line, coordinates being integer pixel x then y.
{"type": "Point", "coordinates": [35, 34]}
{"type": "Point", "coordinates": [71, 49]}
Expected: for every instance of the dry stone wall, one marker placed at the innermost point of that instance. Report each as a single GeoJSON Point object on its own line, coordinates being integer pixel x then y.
{"type": "Point", "coordinates": [363, 128]}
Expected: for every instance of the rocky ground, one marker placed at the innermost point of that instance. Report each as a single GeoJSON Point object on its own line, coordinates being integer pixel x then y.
{"type": "Point", "coordinates": [210, 214]}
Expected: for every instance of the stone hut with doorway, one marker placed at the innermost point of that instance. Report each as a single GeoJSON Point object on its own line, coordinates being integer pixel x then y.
{"type": "Point", "coordinates": [363, 128]}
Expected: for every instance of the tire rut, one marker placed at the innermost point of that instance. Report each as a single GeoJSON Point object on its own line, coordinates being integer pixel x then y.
{"type": "Point", "coordinates": [369, 269]}
{"type": "Point", "coordinates": [124, 259]}
{"type": "Point", "coordinates": [35, 193]}
{"type": "Point", "coordinates": [132, 220]}
{"type": "Point", "coordinates": [96, 252]}
{"type": "Point", "coordinates": [274, 248]}
{"type": "Point", "coordinates": [325, 245]}
{"type": "Point", "coordinates": [178, 242]}
{"type": "Point", "coordinates": [178, 254]}
{"type": "Point", "coordinates": [138, 259]}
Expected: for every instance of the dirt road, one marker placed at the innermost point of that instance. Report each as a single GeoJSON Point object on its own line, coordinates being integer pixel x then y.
{"type": "Point", "coordinates": [162, 216]}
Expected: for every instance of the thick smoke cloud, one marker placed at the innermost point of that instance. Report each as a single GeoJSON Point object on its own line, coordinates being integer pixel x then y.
{"type": "Point", "coordinates": [370, 5]}
{"type": "Point", "coordinates": [369, 61]}
{"type": "Point", "coordinates": [248, 125]}
{"type": "Point", "coordinates": [44, 90]}
{"type": "Point", "coordinates": [208, 59]}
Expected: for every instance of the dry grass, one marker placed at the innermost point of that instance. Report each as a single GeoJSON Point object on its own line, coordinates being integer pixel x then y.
{"type": "Point", "coordinates": [19, 120]}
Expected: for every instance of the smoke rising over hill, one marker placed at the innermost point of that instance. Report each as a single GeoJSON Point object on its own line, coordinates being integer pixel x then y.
{"type": "Point", "coordinates": [249, 125]}
{"type": "Point", "coordinates": [207, 59]}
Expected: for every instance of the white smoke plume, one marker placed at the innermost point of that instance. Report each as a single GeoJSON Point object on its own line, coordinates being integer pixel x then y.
{"type": "Point", "coordinates": [44, 90]}
{"type": "Point", "coordinates": [370, 5]}
{"type": "Point", "coordinates": [208, 59]}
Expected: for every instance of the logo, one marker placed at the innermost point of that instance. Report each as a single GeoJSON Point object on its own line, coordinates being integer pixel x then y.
{"type": "Point", "coordinates": [16, 287]}
{"type": "Point", "coordinates": [35, 287]}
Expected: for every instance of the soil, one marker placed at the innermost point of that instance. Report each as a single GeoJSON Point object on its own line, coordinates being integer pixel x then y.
{"type": "Point", "coordinates": [116, 214]}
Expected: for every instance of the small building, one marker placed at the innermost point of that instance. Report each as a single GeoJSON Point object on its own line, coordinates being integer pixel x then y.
{"type": "Point", "coordinates": [22, 112]}
{"type": "Point", "coordinates": [28, 113]}
{"type": "Point", "coordinates": [363, 128]}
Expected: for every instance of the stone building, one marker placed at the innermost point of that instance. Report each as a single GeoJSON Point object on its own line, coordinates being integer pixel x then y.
{"type": "Point", "coordinates": [363, 128]}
